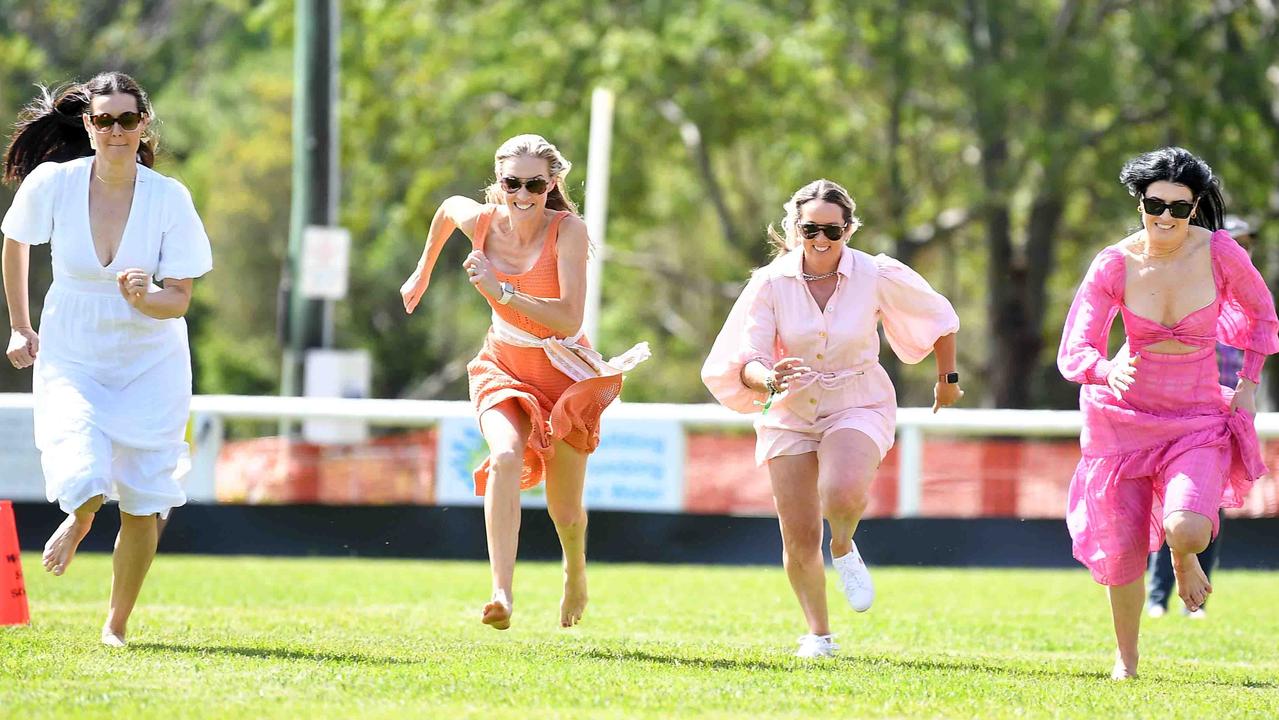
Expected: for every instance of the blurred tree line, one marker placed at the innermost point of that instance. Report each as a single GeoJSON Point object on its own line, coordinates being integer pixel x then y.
{"type": "Point", "coordinates": [982, 140]}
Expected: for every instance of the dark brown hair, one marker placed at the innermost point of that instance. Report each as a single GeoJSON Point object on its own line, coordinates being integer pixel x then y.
{"type": "Point", "coordinates": [50, 129]}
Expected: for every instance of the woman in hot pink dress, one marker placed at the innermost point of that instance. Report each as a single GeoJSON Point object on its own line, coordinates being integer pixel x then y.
{"type": "Point", "coordinates": [1164, 445]}
{"type": "Point", "coordinates": [802, 342]}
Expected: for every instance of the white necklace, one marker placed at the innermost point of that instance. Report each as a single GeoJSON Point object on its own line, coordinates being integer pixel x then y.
{"type": "Point", "coordinates": [823, 276]}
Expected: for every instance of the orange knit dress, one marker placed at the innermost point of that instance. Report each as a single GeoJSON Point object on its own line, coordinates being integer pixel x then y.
{"type": "Point", "coordinates": [558, 407]}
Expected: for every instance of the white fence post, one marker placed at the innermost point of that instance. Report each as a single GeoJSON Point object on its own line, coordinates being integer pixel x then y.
{"type": "Point", "coordinates": [910, 470]}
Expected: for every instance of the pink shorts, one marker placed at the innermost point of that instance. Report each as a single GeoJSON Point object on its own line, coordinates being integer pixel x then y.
{"type": "Point", "coordinates": [877, 423]}
{"type": "Point", "coordinates": [1116, 524]}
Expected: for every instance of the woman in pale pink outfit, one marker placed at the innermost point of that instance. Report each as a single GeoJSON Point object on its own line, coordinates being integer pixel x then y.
{"type": "Point", "coordinates": [1164, 445]}
{"type": "Point", "coordinates": [802, 344]}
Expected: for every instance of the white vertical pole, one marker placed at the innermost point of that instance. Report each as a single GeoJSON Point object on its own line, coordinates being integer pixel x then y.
{"type": "Point", "coordinates": [910, 470]}
{"type": "Point", "coordinates": [597, 167]}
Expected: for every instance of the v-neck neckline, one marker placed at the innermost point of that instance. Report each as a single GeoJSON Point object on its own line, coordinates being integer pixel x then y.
{"type": "Point", "coordinates": [88, 215]}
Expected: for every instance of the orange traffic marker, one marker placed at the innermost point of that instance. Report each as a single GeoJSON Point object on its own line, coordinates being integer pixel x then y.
{"type": "Point", "coordinates": [13, 591]}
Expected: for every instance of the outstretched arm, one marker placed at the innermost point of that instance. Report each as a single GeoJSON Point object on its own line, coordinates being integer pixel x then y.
{"type": "Point", "coordinates": [455, 212]}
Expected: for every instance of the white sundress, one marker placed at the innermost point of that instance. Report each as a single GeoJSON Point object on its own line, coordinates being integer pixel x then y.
{"type": "Point", "coordinates": [112, 386]}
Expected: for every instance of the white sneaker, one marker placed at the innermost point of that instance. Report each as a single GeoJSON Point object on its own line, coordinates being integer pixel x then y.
{"type": "Point", "coordinates": [855, 579]}
{"type": "Point", "coordinates": [815, 646]}
{"type": "Point", "coordinates": [1156, 610]}
{"type": "Point", "coordinates": [1198, 614]}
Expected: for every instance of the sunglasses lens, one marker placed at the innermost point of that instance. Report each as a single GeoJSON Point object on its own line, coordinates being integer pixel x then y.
{"type": "Point", "coordinates": [833, 232]}
{"type": "Point", "coordinates": [102, 122]}
{"type": "Point", "coordinates": [537, 186]}
{"type": "Point", "coordinates": [129, 121]}
{"type": "Point", "coordinates": [511, 184]}
{"type": "Point", "coordinates": [1179, 209]}
{"type": "Point", "coordinates": [808, 230]}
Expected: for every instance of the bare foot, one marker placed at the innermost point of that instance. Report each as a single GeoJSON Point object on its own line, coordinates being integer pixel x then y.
{"type": "Point", "coordinates": [497, 613]}
{"type": "Point", "coordinates": [111, 638]}
{"type": "Point", "coordinates": [1192, 583]}
{"type": "Point", "coordinates": [573, 604]}
{"type": "Point", "coordinates": [63, 543]}
{"type": "Point", "coordinates": [1124, 670]}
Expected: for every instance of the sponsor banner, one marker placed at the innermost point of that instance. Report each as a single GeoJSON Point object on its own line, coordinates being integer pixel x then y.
{"type": "Point", "coordinates": [639, 465]}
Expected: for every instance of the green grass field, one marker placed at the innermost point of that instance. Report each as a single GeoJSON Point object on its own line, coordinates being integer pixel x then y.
{"type": "Point", "coordinates": [320, 638]}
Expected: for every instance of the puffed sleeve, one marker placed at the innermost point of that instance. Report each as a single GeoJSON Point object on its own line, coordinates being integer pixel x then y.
{"type": "Point", "coordinates": [30, 217]}
{"type": "Point", "coordinates": [1082, 357]}
{"type": "Point", "coordinates": [749, 333]}
{"type": "Point", "coordinates": [184, 247]}
{"type": "Point", "coordinates": [1247, 319]}
{"type": "Point", "coordinates": [913, 313]}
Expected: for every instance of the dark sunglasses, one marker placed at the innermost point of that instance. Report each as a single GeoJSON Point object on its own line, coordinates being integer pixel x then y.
{"type": "Point", "coordinates": [102, 122]}
{"type": "Point", "coordinates": [537, 185]}
{"type": "Point", "coordinates": [832, 232]}
{"type": "Point", "coordinates": [1179, 209]}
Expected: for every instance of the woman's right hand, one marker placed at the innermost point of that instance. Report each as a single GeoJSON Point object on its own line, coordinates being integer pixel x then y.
{"type": "Point", "coordinates": [413, 289]}
{"type": "Point", "coordinates": [786, 370]}
{"type": "Point", "coordinates": [24, 343]}
{"type": "Point", "coordinates": [1122, 373]}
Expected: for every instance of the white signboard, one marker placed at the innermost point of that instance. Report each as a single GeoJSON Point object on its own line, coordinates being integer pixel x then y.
{"type": "Point", "coordinates": [337, 374]}
{"type": "Point", "coordinates": [326, 258]}
{"type": "Point", "coordinates": [639, 465]}
{"type": "Point", "coordinates": [20, 474]}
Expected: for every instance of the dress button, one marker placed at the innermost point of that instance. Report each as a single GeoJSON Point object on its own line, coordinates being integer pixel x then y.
{"type": "Point", "coordinates": [821, 334]}
{"type": "Point", "coordinates": [819, 356]}
{"type": "Point", "coordinates": [812, 401]}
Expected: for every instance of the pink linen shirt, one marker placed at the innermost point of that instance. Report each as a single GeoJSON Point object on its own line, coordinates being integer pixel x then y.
{"type": "Point", "coordinates": [776, 316]}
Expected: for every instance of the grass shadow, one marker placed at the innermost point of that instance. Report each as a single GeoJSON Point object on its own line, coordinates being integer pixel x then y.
{"type": "Point", "coordinates": [707, 663]}
{"type": "Point", "coordinates": [945, 664]}
{"type": "Point", "coordinates": [273, 653]}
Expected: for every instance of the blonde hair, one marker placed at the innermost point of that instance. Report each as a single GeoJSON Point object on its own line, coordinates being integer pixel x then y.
{"type": "Point", "coordinates": [539, 147]}
{"type": "Point", "coordinates": [829, 191]}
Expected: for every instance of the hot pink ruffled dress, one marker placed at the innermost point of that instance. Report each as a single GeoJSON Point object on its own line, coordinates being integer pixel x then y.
{"type": "Point", "coordinates": [1171, 442]}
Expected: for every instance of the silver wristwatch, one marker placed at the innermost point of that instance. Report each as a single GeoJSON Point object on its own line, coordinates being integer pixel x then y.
{"type": "Point", "coordinates": [508, 292]}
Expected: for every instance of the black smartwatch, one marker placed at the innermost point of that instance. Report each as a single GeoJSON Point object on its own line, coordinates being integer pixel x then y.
{"type": "Point", "coordinates": [950, 378]}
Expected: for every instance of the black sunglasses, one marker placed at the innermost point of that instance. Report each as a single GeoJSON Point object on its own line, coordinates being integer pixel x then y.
{"type": "Point", "coordinates": [537, 185]}
{"type": "Point", "coordinates": [1179, 209]}
{"type": "Point", "coordinates": [832, 232]}
{"type": "Point", "coordinates": [102, 122]}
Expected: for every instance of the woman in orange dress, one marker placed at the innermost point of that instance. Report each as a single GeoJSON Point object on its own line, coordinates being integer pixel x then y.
{"type": "Point", "coordinates": [537, 385]}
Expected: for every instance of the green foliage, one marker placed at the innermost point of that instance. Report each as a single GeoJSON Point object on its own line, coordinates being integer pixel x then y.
{"type": "Point", "coordinates": [982, 140]}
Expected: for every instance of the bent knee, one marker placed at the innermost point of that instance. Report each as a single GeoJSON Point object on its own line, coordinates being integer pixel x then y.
{"type": "Point", "coordinates": [507, 462]}
{"type": "Point", "coordinates": [846, 500]}
{"type": "Point", "coordinates": [802, 541]}
{"type": "Point", "coordinates": [567, 517]}
{"type": "Point", "coordinates": [1187, 532]}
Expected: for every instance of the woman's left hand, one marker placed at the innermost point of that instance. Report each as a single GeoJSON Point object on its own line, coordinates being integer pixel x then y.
{"type": "Point", "coordinates": [1245, 397]}
{"type": "Point", "coordinates": [134, 284]}
{"type": "Point", "coordinates": [481, 274]}
{"type": "Point", "coordinates": [946, 394]}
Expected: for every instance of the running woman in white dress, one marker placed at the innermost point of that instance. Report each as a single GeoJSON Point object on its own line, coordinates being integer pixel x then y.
{"type": "Point", "coordinates": [112, 380]}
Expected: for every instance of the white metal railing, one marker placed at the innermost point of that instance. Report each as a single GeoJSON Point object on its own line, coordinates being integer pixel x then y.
{"type": "Point", "coordinates": [912, 424]}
